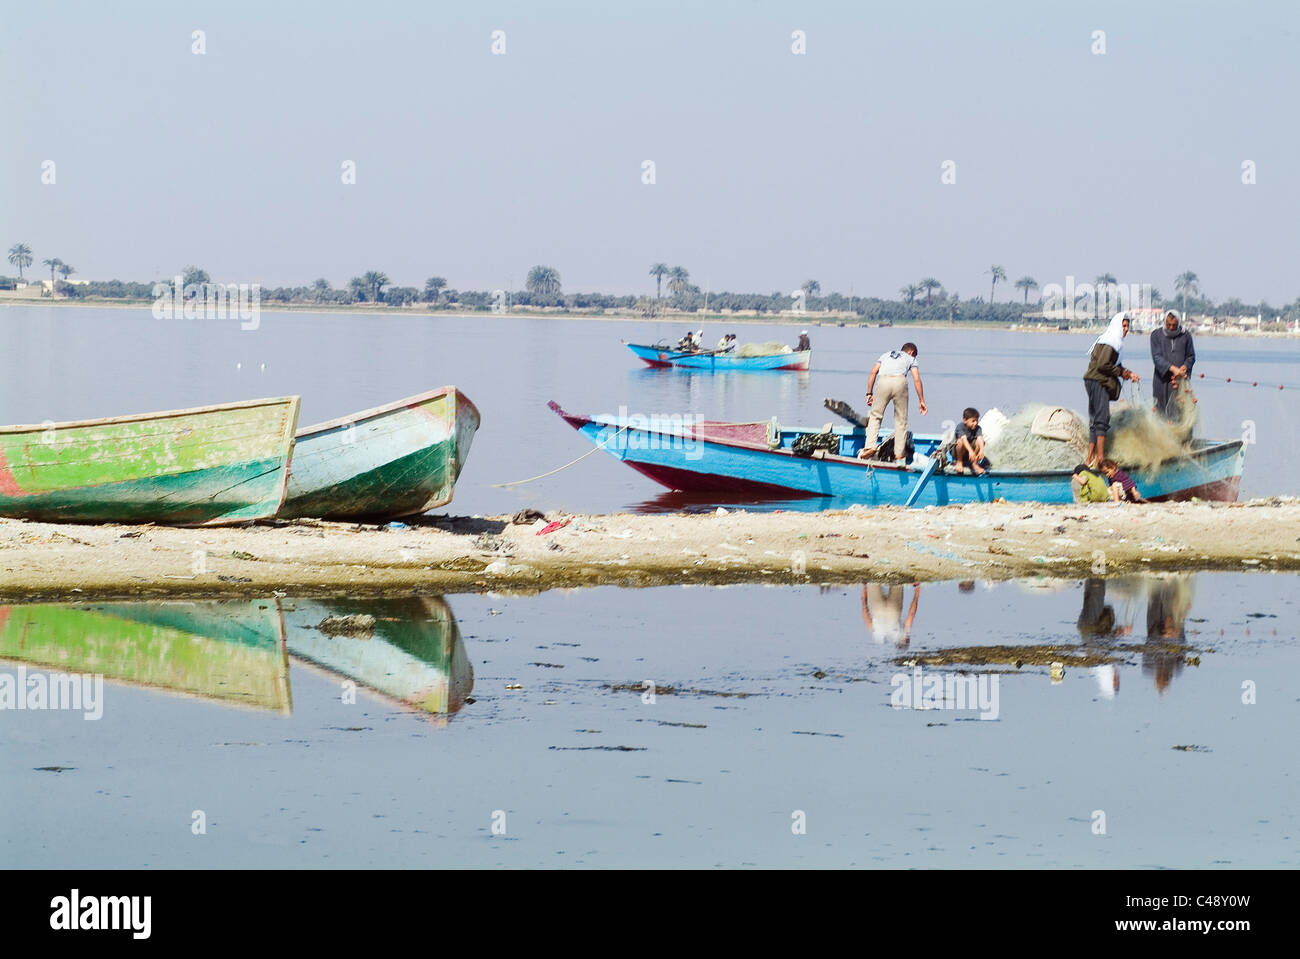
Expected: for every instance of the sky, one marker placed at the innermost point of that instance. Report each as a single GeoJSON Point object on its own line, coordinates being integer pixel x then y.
{"type": "Point", "coordinates": [771, 166]}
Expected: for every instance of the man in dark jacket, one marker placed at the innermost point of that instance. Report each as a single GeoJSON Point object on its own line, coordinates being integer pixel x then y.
{"type": "Point", "coordinates": [1174, 354]}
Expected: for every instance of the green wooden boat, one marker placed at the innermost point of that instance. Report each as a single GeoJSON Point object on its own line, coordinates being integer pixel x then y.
{"type": "Point", "coordinates": [231, 652]}
{"type": "Point", "coordinates": [395, 460]}
{"type": "Point", "coordinates": [206, 466]}
{"type": "Point", "coordinates": [415, 656]}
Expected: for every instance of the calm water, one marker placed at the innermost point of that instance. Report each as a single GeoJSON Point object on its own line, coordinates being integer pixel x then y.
{"type": "Point", "coordinates": [65, 363]}
{"type": "Point", "coordinates": [286, 771]}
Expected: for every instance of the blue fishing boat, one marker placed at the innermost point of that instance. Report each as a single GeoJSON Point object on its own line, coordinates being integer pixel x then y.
{"type": "Point", "coordinates": [749, 460]}
{"type": "Point", "coordinates": [716, 362]}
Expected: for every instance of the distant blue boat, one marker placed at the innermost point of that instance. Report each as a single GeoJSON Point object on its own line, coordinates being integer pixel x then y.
{"type": "Point", "coordinates": [721, 362]}
{"type": "Point", "coordinates": [754, 460]}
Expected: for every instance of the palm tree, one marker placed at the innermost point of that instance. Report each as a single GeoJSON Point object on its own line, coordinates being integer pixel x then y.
{"type": "Point", "coordinates": [1026, 283]}
{"type": "Point", "coordinates": [433, 288]}
{"type": "Point", "coordinates": [375, 281]}
{"type": "Point", "coordinates": [929, 284]}
{"type": "Point", "coordinates": [53, 264]}
{"type": "Point", "coordinates": [998, 274]}
{"type": "Point", "coordinates": [679, 279]}
{"type": "Point", "coordinates": [909, 292]}
{"type": "Point", "coordinates": [658, 271]}
{"type": "Point", "coordinates": [1185, 283]}
{"type": "Point", "coordinates": [20, 255]}
{"type": "Point", "coordinates": [810, 288]}
{"type": "Point", "coordinates": [1104, 282]}
{"type": "Point", "coordinates": [543, 280]}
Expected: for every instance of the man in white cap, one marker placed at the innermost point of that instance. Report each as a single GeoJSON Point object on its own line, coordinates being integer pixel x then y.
{"type": "Point", "coordinates": [804, 343]}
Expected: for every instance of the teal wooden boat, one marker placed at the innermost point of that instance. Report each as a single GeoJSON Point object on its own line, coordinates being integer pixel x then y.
{"type": "Point", "coordinates": [206, 466]}
{"type": "Point", "coordinates": [395, 460]}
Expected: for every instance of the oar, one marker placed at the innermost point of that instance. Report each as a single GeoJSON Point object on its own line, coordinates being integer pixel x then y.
{"type": "Point", "coordinates": [922, 480]}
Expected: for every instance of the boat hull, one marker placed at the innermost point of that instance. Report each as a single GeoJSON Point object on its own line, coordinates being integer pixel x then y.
{"type": "Point", "coordinates": [397, 460]}
{"type": "Point", "coordinates": [205, 466]}
{"type": "Point", "coordinates": [734, 459]}
{"type": "Point", "coordinates": [722, 362]}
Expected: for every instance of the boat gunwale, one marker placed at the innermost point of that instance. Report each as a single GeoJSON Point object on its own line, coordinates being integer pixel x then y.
{"type": "Point", "coordinates": [157, 415]}
{"type": "Point", "coordinates": [393, 407]}
{"type": "Point", "coordinates": [1212, 446]}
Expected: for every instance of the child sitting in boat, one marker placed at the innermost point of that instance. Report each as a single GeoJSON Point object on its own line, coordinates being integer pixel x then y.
{"type": "Point", "coordinates": [1089, 486]}
{"type": "Point", "coordinates": [1122, 487]}
{"type": "Point", "coordinates": [968, 444]}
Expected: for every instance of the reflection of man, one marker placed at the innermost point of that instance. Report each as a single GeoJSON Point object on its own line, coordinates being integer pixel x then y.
{"type": "Point", "coordinates": [1167, 606]}
{"type": "Point", "coordinates": [887, 626]}
{"type": "Point", "coordinates": [1174, 354]}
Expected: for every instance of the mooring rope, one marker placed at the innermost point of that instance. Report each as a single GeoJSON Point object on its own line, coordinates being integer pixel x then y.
{"type": "Point", "coordinates": [595, 449]}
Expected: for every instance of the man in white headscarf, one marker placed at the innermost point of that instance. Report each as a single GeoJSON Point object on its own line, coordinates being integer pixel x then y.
{"type": "Point", "coordinates": [1102, 384]}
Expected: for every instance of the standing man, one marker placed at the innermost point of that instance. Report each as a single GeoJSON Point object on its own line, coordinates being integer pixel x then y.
{"type": "Point", "coordinates": [1102, 385]}
{"type": "Point", "coordinates": [888, 384]}
{"type": "Point", "coordinates": [1174, 354]}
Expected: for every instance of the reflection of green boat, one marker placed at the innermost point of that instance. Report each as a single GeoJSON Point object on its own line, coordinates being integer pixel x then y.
{"type": "Point", "coordinates": [415, 654]}
{"type": "Point", "coordinates": [231, 651]}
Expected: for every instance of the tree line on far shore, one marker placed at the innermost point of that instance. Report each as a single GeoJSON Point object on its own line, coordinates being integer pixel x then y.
{"type": "Point", "coordinates": [926, 300]}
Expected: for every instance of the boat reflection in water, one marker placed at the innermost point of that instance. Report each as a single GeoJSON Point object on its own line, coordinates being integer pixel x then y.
{"type": "Point", "coordinates": [231, 652]}
{"type": "Point", "coordinates": [235, 652]}
{"type": "Point", "coordinates": [414, 654]}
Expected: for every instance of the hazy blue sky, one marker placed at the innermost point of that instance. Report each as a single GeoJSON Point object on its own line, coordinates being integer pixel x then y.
{"type": "Point", "coordinates": [771, 167]}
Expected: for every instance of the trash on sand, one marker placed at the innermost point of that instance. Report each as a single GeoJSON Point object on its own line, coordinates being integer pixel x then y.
{"type": "Point", "coordinates": [552, 527]}
{"type": "Point", "coordinates": [397, 525]}
{"type": "Point", "coordinates": [526, 516]}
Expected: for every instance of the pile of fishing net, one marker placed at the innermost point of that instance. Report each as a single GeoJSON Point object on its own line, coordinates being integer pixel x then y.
{"type": "Point", "coordinates": [769, 348]}
{"type": "Point", "coordinates": [1041, 437]}
{"type": "Point", "coordinates": [1013, 444]}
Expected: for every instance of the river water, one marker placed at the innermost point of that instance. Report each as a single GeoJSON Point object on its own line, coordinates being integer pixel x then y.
{"type": "Point", "coordinates": [74, 363]}
{"type": "Point", "coordinates": [665, 727]}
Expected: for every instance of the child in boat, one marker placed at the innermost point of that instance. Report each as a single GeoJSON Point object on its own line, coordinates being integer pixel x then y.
{"type": "Point", "coordinates": [1088, 486]}
{"type": "Point", "coordinates": [968, 444]}
{"type": "Point", "coordinates": [1122, 487]}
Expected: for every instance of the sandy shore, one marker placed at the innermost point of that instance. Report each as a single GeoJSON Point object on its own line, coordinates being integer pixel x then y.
{"type": "Point", "coordinates": [447, 554]}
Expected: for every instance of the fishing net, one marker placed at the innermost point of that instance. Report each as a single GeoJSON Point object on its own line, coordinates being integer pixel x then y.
{"type": "Point", "coordinates": [763, 349]}
{"type": "Point", "coordinates": [1017, 447]}
{"type": "Point", "coordinates": [1141, 438]}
